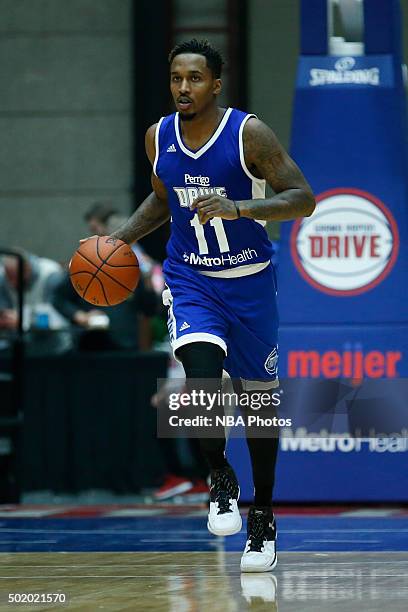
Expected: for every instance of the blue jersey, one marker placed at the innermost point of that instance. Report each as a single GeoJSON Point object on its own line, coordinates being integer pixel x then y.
{"type": "Point", "coordinates": [220, 247]}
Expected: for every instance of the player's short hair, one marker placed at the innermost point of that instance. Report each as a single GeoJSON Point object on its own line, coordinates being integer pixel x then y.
{"type": "Point", "coordinates": [201, 47]}
{"type": "Point", "coordinates": [101, 211]}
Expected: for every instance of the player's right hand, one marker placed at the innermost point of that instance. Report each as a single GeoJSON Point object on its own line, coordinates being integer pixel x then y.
{"type": "Point", "coordinates": [85, 239]}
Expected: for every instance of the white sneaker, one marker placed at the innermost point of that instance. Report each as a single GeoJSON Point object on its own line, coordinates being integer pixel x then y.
{"type": "Point", "coordinates": [224, 517]}
{"type": "Point", "coordinates": [260, 549]}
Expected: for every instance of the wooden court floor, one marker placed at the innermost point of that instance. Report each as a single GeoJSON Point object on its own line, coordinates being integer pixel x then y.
{"type": "Point", "coordinates": [162, 558]}
{"type": "Point", "coordinates": [195, 581]}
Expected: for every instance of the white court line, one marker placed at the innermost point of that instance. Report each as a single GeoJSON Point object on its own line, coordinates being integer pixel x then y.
{"type": "Point", "coordinates": [189, 531]}
{"type": "Point", "coordinates": [342, 552]}
{"type": "Point", "coordinates": [137, 512]}
{"type": "Point", "coordinates": [345, 541]}
{"type": "Point", "coordinates": [223, 576]}
{"type": "Point", "coordinates": [119, 565]}
{"type": "Point", "coordinates": [199, 577]}
{"type": "Point", "coordinates": [283, 554]}
{"type": "Point", "coordinates": [341, 575]}
{"type": "Point", "coordinates": [27, 542]}
{"type": "Point", "coordinates": [167, 540]}
{"type": "Point", "coordinates": [101, 531]}
{"type": "Point", "coordinates": [297, 563]}
{"type": "Point", "coordinates": [342, 530]}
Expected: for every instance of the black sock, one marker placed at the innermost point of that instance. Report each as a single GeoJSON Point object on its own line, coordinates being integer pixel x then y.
{"type": "Point", "coordinates": [263, 452]}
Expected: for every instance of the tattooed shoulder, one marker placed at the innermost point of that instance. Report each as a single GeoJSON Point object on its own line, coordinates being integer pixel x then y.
{"type": "Point", "coordinates": [266, 158]}
{"type": "Point", "coordinates": [260, 143]}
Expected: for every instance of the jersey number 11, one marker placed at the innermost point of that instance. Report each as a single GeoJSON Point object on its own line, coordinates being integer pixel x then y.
{"type": "Point", "coordinates": [220, 234]}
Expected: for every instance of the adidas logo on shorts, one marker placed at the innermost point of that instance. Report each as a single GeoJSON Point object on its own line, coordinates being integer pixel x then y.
{"type": "Point", "coordinates": [184, 326]}
{"type": "Point", "coordinates": [171, 149]}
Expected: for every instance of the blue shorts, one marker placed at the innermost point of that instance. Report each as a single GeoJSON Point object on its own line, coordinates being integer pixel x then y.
{"type": "Point", "coordinates": [238, 314]}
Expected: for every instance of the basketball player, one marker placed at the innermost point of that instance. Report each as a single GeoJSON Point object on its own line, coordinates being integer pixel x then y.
{"type": "Point", "coordinates": [210, 168]}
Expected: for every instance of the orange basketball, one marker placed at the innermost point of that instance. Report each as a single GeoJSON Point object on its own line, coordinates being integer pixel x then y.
{"type": "Point", "coordinates": [104, 271]}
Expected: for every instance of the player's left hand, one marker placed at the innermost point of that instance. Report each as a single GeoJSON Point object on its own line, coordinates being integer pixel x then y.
{"type": "Point", "coordinates": [212, 205]}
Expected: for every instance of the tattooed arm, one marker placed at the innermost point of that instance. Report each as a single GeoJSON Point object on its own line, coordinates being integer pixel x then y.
{"type": "Point", "coordinates": [153, 211]}
{"type": "Point", "coordinates": [266, 159]}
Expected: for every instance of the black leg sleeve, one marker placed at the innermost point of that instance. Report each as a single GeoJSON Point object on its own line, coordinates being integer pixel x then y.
{"type": "Point", "coordinates": [204, 361]}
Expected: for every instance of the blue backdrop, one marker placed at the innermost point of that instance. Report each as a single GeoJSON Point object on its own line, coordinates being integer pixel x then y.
{"type": "Point", "coordinates": [342, 272]}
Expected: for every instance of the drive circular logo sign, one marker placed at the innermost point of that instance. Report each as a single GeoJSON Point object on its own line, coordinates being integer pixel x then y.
{"type": "Point", "coordinates": [348, 245]}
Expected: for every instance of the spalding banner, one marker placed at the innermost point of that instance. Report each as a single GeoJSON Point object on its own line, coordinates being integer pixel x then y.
{"type": "Point", "coordinates": [347, 263]}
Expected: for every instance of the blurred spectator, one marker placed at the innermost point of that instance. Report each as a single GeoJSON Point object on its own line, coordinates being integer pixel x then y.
{"type": "Point", "coordinates": [103, 219]}
{"type": "Point", "coordinates": [40, 277]}
{"type": "Point", "coordinates": [125, 326]}
{"type": "Point", "coordinates": [97, 217]}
